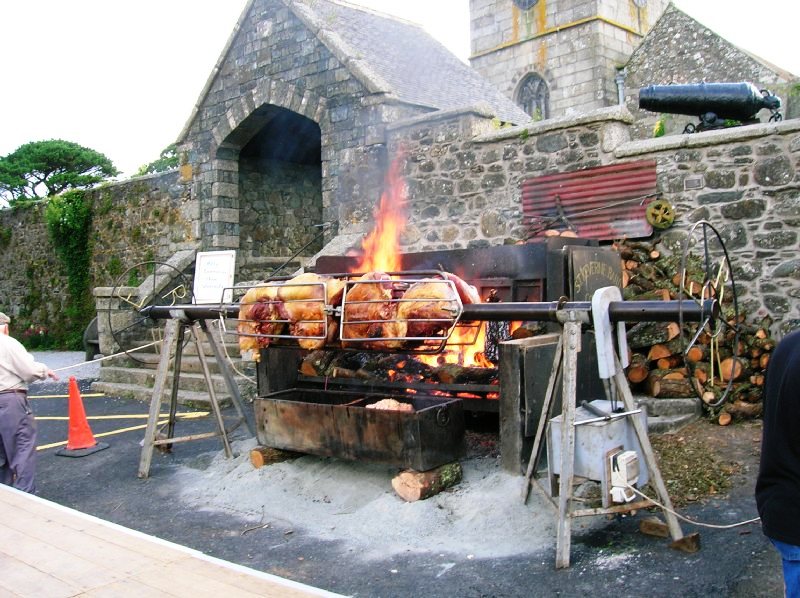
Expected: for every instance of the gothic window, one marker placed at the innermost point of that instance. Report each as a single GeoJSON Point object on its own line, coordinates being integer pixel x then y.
{"type": "Point", "coordinates": [534, 96]}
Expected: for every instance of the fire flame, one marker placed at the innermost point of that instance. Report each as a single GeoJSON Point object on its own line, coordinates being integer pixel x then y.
{"type": "Point", "coordinates": [381, 248]}
{"type": "Point", "coordinates": [381, 252]}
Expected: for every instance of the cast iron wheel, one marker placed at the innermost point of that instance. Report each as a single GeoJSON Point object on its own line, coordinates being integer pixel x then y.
{"type": "Point", "coordinates": [710, 276]}
{"type": "Point", "coordinates": [143, 285]}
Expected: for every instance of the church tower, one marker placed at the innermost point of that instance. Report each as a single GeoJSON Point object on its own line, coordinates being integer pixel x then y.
{"type": "Point", "coordinates": [558, 57]}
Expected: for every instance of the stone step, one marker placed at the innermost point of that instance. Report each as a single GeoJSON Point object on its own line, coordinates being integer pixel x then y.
{"type": "Point", "coordinates": [146, 378]}
{"type": "Point", "coordinates": [666, 416]}
{"type": "Point", "coordinates": [198, 400]}
{"type": "Point", "coordinates": [189, 363]}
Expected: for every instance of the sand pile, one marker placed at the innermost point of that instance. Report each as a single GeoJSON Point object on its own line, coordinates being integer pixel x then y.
{"type": "Point", "coordinates": [354, 503]}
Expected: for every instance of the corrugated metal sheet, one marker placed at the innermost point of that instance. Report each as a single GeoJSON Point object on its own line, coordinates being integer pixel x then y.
{"type": "Point", "coordinates": [604, 203]}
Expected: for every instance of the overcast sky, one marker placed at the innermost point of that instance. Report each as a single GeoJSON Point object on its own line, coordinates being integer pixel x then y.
{"type": "Point", "coordinates": [121, 76]}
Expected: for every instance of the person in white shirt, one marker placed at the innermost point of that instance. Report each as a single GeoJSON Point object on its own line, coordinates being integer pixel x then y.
{"type": "Point", "coordinates": [17, 425]}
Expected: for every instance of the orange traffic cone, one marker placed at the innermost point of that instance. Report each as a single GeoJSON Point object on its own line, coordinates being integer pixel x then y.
{"type": "Point", "coordinates": [80, 440]}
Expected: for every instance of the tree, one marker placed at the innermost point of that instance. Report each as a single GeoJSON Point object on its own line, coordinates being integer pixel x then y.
{"type": "Point", "coordinates": [44, 168]}
{"type": "Point", "coordinates": [166, 161]}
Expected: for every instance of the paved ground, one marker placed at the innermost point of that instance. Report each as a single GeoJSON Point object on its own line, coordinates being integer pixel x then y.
{"type": "Point", "coordinates": [615, 561]}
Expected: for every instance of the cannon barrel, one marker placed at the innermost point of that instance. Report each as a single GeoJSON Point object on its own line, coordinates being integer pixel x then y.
{"type": "Point", "coordinates": [735, 101]}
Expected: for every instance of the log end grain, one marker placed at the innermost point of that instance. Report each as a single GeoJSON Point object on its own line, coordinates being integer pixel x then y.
{"type": "Point", "coordinates": [413, 485]}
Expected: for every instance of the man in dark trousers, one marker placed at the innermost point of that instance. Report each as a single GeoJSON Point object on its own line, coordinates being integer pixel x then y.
{"type": "Point", "coordinates": [778, 485]}
{"type": "Point", "coordinates": [17, 426]}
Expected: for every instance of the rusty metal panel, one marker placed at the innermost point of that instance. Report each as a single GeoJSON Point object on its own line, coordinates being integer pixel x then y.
{"type": "Point", "coordinates": [604, 203]}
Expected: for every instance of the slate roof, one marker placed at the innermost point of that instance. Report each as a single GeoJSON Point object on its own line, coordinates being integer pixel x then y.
{"type": "Point", "coordinates": [401, 59]}
{"type": "Point", "coordinates": [388, 56]}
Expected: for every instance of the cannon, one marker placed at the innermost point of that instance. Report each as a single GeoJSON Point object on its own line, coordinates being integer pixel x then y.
{"type": "Point", "coordinates": [713, 103]}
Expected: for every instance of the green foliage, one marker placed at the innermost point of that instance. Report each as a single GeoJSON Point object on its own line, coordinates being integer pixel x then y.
{"type": "Point", "coordinates": [5, 236]}
{"type": "Point", "coordinates": [45, 168]}
{"type": "Point", "coordinates": [69, 223]}
{"type": "Point", "coordinates": [659, 129]}
{"type": "Point", "coordinates": [167, 160]}
{"type": "Point", "coordinates": [114, 266]}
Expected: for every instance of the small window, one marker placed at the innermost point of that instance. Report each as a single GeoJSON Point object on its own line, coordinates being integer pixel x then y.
{"type": "Point", "coordinates": [534, 97]}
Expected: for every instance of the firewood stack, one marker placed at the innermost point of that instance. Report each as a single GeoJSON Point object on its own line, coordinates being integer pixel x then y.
{"type": "Point", "coordinates": [658, 366]}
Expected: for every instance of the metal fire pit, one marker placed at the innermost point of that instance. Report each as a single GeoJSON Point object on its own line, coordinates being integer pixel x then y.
{"type": "Point", "coordinates": [338, 424]}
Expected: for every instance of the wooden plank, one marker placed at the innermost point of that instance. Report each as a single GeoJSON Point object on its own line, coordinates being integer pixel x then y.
{"type": "Point", "coordinates": [572, 346]}
{"type": "Point", "coordinates": [49, 550]}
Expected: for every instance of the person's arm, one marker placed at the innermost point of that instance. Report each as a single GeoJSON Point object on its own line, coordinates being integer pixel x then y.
{"type": "Point", "coordinates": [25, 366]}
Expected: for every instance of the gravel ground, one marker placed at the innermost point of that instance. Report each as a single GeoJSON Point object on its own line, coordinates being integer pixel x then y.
{"type": "Point", "coordinates": [64, 363]}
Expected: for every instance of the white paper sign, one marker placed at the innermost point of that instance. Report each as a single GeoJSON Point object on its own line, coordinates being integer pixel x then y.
{"type": "Point", "coordinates": [213, 276]}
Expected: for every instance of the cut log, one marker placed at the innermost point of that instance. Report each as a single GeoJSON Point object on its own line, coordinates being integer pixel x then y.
{"type": "Point", "coordinates": [669, 362]}
{"type": "Point", "coordinates": [743, 410]}
{"type": "Point", "coordinates": [724, 418]}
{"type": "Point", "coordinates": [701, 371]}
{"type": "Point", "coordinates": [638, 369]}
{"type": "Point", "coordinates": [763, 361]}
{"type": "Point", "coordinates": [653, 526]}
{"type": "Point", "coordinates": [671, 389]}
{"type": "Point", "coordinates": [661, 350]}
{"type": "Point", "coordinates": [265, 455]}
{"type": "Point", "coordinates": [731, 368]}
{"type": "Point", "coordinates": [646, 334]}
{"type": "Point", "coordinates": [689, 543]}
{"type": "Point", "coordinates": [710, 396]}
{"type": "Point", "coordinates": [317, 363]}
{"type": "Point", "coordinates": [413, 485]}
{"type": "Point", "coordinates": [697, 353]}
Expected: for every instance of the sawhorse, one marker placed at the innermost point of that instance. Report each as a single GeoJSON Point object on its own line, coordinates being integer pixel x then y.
{"type": "Point", "coordinates": [174, 334]}
{"type": "Point", "coordinates": [565, 365]}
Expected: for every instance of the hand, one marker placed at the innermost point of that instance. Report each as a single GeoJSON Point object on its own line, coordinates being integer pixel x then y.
{"type": "Point", "coordinates": [52, 374]}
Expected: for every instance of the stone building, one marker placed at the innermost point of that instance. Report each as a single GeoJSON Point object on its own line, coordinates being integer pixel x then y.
{"type": "Point", "coordinates": [311, 100]}
{"type": "Point", "coordinates": [558, 57]}
{"type": "Point", "coordinates": [561, 57]}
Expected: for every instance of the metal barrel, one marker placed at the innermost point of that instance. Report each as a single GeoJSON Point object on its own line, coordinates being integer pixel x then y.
{"type": "Point", "coordinates": [548, 311]}
{"type": "Point", "coordinates": [736, 101]}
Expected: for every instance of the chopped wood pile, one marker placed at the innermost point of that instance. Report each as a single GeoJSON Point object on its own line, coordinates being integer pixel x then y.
{"type": "Point", "coordinates": [665, 363]}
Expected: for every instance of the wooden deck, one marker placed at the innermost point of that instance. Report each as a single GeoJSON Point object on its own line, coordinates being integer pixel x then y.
{"type": "Point", "coordinates": [50, 550]}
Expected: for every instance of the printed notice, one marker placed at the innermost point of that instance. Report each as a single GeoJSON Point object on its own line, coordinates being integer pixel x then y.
{"type": "Point", "coordinates": [213, 276]}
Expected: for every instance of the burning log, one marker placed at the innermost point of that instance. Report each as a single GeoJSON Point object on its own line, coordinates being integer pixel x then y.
{"type": "Point", "coordinates": [412, 485]}
{"type": "Point", "coordinates": [452, 373]}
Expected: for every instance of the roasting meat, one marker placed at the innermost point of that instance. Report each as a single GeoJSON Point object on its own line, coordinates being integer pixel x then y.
{"type": "Point", "coordinates": [299, 304]}
{"type": "Point", "coordinates": [431, 307]}
{"type": "Point", "coordinates": [303, 301]}
{"type": "Point", "coordinates": [258, 317]}
{"type": "Point", "coordinates": [371, 313]}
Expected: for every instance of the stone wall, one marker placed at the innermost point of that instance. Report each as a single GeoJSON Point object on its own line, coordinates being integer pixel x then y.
{"type": "Point", "coordinates": [463, 179]}
{"type": "Point", "coordinates": [746, 182]}
{"type": "Point", "coordinates": [279, 208]}
{"type": "Point", "coordinates": [32, 281]}
{"type": "Point", "coordinates": [142, 219]}
{"type": "Point", "coordinates": [465, 192]}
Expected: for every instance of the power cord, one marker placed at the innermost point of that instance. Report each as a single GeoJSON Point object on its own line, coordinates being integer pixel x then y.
{"type": "Point", "coordinates": [692, 521]}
